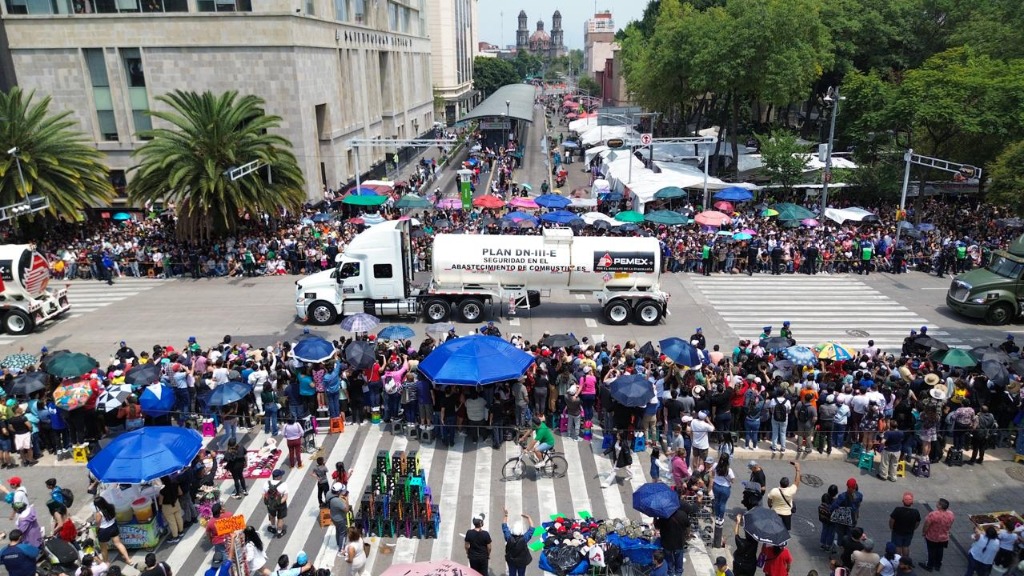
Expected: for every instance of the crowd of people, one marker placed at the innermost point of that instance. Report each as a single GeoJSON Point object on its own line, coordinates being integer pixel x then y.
{"type": "Point", "coordinates": [905, 408]}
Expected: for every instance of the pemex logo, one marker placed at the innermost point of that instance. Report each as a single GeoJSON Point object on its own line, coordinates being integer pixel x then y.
{"type": "Point", "coordinates": [605, 261]}
{"type": "Point", "coordinates": [38, 275]}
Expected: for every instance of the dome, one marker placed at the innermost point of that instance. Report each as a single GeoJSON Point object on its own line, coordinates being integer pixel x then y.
{"type": "Point", "coordinates": [540, 37]}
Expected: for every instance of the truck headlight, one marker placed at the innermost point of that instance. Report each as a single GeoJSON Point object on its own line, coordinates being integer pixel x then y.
{"type": "Point", "coordinates": [980, 300]}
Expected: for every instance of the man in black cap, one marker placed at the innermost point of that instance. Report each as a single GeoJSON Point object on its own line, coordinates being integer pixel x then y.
{"type": "Point", "coordinates": [699, 337]}
{"type": "Point", "coordinates": [1009, 346]}
{"type": "Point", "coordinates": [125, 353]}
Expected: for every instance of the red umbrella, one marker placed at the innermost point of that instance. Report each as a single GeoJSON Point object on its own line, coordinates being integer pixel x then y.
{"type": "Point", "coordinates": [724, 206]}
{"type": "Point", "coordinates": [488, 201]}
{"type": "Point", "coordinates": [711, 218]}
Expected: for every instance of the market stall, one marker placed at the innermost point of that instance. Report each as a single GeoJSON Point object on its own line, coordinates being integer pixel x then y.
{"type": "Point", "coordinates": [998, 520]}
{"type": "Point", "coordinates": [577, 545]}
{"type": "Point", "coordinates": [129, 464]}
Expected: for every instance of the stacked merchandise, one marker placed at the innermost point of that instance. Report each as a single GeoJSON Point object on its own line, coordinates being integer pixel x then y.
{"type": "Point", "coordinates": [397, 501]}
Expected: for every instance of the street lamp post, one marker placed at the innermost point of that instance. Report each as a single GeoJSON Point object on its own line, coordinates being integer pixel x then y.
{"type": "Point", "coordinates": [21, 175]}
{"type": "Point", "coordinates": [834, 97]}
{"type": "Point", "coordinates": [508, 116]}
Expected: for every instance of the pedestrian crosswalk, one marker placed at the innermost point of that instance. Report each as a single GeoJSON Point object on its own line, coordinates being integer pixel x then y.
{"type": "Point", "coordinates": [465, 481]}
{"type": "Point", "coordinates": [820, 308]}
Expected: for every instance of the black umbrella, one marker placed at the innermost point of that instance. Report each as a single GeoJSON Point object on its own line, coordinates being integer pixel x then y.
{"type": "Point", "coordinates": [647, 350]}
{"type": "Point", "coordinates": [602, 225]}
{"type": "Point", "coordinates": [143, 375]}
{"type": "Point", "coordinates": [776, 343]}
{"type": "Point", "coordinates": [360, 354]}
{"type": "Point", "coordinates": [930, 343]}
{"type": "Point", "coordinates": [765, 526]}
{"type": "Point", "coordinates": [559, 341]}
{"type": "Point", "coordinates": [28, 383]}
{"type": "Point", "coordinates": [990, 352]}
{"type": "Point", "coordinates": [996, 372]}
{"type": "Point", "coordinates": [1018, 367]}
{"type": "Point", "coordinates": [783, 367]}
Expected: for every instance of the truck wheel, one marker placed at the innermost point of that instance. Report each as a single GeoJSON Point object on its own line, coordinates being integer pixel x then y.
{"type": "Point", "coordinates": [647, 313]}
{"type": "Point", "coordinates": [471, 310]}
{"type": "Point", "coordinates": [321, 313]}
{"type": "Point", "coordinates": [436, 310]}
{"type": "Point", "coordinates": [617, 312]}
{"type": "Point", "coordinates": [17, 323]}
{"type": "Point", "coordinates": [999, 314]}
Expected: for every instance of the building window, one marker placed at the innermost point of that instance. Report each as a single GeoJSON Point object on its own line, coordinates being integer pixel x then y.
{"type": "Point", "coordinates": [135, 77]}
{"type": "Point", "coordinates": [101, 93]}
{"type": "Point", "coordinates": [393, 17]}
{"type": "Point", "coordinates": [360, 11]}
{"type": "Point", "coordinates": [119, 182]}
{"type": "Point", "coordinates": [225, 5]}
{"type": "Point", "coordinates": [341, 10]}
{"type": "Point", "coordinates": [310, 8]}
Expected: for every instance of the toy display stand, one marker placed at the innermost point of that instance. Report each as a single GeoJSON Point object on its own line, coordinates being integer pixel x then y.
{"type": "Point", "coordinates": [236, 553]}
{"type": "Point", "coordinates": [578, 545]}
{"type": "Point", "coordinates": [397, 501]}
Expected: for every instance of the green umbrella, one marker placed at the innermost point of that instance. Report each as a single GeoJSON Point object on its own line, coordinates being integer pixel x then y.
{"type": "Point", "coordinates": [669, 192]}
{"type": "Point", "coordinates": [666, 217]}
{"type": "Point", "coordinates": [71, 365]}
{"type": "Point", "coordinates": [367, 200]}
{"type": "Point", "coordinates": [526, 187]}
{"type": "Point", "coordinates": [630, 216]}
{"type": "Point", "coordinates": [412, 201]}
{"type": "Point", "coordinates": [789, 211]}
{"type": "Point", "coordinates": [959, 357]}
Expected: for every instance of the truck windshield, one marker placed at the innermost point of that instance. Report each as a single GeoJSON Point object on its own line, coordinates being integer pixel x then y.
{"type": "Point", "coordinates": [1005, 267]}
{"type": "Point", "coordinates": [349, 270]}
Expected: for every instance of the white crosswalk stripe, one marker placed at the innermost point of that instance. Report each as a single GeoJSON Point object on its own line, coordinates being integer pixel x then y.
{"type": "Point", "coordinates": [465, 480]}
{"type": "Point", "coordinates": [820, 308]}
{"type": "Point", "coordinates": [89, 296]}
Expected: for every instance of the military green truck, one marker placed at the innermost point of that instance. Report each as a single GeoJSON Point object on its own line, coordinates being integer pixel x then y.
{"type": "Point", "coordinates": [995, 292]}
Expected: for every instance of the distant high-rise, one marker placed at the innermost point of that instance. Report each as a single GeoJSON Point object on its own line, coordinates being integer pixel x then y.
{"type": "Point", "coordinates": [598, 37]}
{"type": "Point", "coordinates": [540, 42]}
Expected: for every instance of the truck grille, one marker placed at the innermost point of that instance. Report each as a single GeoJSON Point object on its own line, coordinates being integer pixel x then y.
{"type": "Point", "coordinates": [958, 291]}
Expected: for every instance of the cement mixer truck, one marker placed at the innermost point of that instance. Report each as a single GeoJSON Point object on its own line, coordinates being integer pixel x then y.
{"type": "Point", "coordinates": [474, 272]}
{"type": "Point", "coordinates": [25, 299]}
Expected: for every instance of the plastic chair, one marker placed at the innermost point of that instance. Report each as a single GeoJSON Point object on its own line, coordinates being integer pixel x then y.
{"type": "Point", "coordinates": [855, 451]}
{"type": "Point", "coordinates": [867, 461]}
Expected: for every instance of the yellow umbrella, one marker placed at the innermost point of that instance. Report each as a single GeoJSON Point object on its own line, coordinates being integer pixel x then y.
{"type": "Point", "coordinates": [835, 351]}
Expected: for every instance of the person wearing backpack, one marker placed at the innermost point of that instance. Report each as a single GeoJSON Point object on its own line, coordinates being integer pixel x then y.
{"type": "Point", "coordinates": [271, 407]}
{"type": "Point", "coordinates": [986, 425]}
{"type": "Point", "coordinates": [806, 419]}
{"type": "Point", "coordinates": [753, 405]}
{"type": "Point", "coordinates": [517, 539]}
{"type": "Point", "coordinates": [275, 496]}
{"type": "Point", "coordinates": [779, 408]}
{"type": "Point", "coordinates": [58, 496]}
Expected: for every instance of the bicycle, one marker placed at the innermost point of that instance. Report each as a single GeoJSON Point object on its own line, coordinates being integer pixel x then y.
{"type": "Point", "coordinates": [554, 466]}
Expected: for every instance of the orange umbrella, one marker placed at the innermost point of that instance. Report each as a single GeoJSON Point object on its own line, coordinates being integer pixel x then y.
{"type": "Point", "coordinates": [488, 201]}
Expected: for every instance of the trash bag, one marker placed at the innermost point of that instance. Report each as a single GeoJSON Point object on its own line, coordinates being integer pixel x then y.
{"type": "Point", "coordinates": [564, 559]}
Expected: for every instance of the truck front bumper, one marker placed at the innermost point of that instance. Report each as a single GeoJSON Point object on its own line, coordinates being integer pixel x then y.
{"type": "Point", "coordinates": [968, 309]}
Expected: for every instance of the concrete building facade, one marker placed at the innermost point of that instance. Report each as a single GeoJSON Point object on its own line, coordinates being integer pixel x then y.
{"type": "Point", "coordinates": [452, 25]}
{"type": "Point", "coordinates": [334, 70]}
{"type": "Point", "coordinates": [598, 37]}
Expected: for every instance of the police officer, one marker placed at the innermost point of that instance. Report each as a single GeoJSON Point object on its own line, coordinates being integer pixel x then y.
{"type": "Point", "coordinates": [490, 330]}
{"type": "Point", "coordinates": [961, 258]}
{"type": "Point", "coordinates": [699, 337]}
{"type": "Point", "coordinates": [125, 353]}
{"type": "Point", "coordinates": [908, 344]}
{"type": "Point", "coordinates": [1009, 346]}
{"type": "Point", "coordinates": [751, 258]}
{"type": "Point", "coordinates": [811, 258]}
{"type": "Point", "coordinates": [945, 259]}
{"type": "Point", "coordinates": [705, 257]}
{"type": "Point", "coordinates": [898, 255]}
{"type": "Point", "coordinates": [867, 252]}
{"type": "Point", "coordinates": [776, 255]}
{"type": "Point", "coordinates": [787, 333]}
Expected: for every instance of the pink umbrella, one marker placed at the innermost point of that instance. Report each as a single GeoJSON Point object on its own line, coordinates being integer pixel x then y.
{"type": "Point", "coordinates": [750, 231]}
{"type": "Point", "coordinates": [430, 568]}
{"type": "Point", "coordinates": [523, 202]}
{"type": "Point", "coordinates": [809, 222]}
{"type": "Point", "coordinates": [449, 204]}
{"type": "Point", "coordinates": [571, 115]}
{"type": "Point", "coordinates": [711, 218]}
{"type": "Point", "coordinates": [724, 206]}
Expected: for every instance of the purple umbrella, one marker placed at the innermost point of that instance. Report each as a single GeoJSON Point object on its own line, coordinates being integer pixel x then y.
{"type": "Point", "coordinates": [449, 204]}
{"type": "Point", "coordinates": [809, 222]}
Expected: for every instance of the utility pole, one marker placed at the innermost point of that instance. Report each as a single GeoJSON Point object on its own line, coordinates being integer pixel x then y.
{"type": "Point", "coordinates": [826, 176]}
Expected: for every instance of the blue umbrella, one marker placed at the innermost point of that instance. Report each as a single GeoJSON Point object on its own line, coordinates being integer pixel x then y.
{"type": "Point", "coordinates": [681, 352]}
{"type": "Point", "coordinates": [656, 499]}
{"type": "Point", "coordinates": [313, 349]}
{"type": "Point", "coordinates": [633, 390]}
{"type": "Point", "coordinates": [517, 215]}
{"type": "Point", "coordinates": [558, 217]}
{"type": "Point", "coordinates": [362, 191]}
{"type": "Point", "coordinates": [475, 360]}
{"type": "Point", "coordinates": [157, 400]}
{"type": "Point", "coordinates": [741, 236]}
{"type": "Point", "coordinates": [552, 201]}
{"type": "Point", "coordinates": [120, 216]}
{"type": "Point", "coordinates": [610, 197]}
{"type": "Point", "coordinates": [228, 393]}
{"type": "Point", "coordinates": [800, 356]}
{"type": "Point", "coordinates": [734, 194]}
{"type": "Point", "coordinates": [360, 322]}
{"type": "Point", "coordinates": [570, 145]}
{"type": "Point", "coordinates": [321, 217]}
{"type": "Point", "coordinates": [146, 454]}
{"type": "Point", "coordinates": [396, 332]}
{"type": "Point", "coordinates": [925, 227]}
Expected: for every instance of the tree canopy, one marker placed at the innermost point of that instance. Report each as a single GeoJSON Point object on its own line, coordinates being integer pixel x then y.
{"type": "Point", "coordinates": [489, 74]}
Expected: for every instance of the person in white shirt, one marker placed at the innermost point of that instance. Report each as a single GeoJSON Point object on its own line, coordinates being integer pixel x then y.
{"type": "Point", "coordinates": [700, 429]}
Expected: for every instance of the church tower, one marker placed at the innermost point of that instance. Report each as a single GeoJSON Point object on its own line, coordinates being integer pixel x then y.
{"type": "Point", "coordinates": [557, 43]}
{"type": "Point", "coordinates": [522, 33]}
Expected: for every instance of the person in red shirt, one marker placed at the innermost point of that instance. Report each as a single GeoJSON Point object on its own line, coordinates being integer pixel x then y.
{"type": "Point", "coordinates": [777, 560]}
{"type": "Point", "coordinates": [219, 542]}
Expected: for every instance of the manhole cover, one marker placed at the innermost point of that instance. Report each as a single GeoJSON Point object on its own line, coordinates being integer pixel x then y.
{"type": "Point", "coordinates": [858, 333]}
{"type": "Point", "coordinates": [811, 480]}
{"type": "Point", "coordinates": [1016, 472]}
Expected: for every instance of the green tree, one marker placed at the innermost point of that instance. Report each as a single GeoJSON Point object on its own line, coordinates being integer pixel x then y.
{"type": "Point", "coordinates": [489, 74]}
{"type": "Point", "coordinates": [782, 158]}
{"type": "Point", "coordinates": [57, 161]}
{"type": "Point", "coordinates": [589, 85]}
{"type": "Point", "coordinates": [1006, 178]}
{"type": "Point", "coordinates": [526, 64]}
{"type": "Point", "coordinates": [187, 163]}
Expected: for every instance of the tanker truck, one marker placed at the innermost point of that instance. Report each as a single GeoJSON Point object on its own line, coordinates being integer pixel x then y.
{"type": "Point", "coordinates": [25, 299]}
{"type": "Point", "coordinates": [473, 272]}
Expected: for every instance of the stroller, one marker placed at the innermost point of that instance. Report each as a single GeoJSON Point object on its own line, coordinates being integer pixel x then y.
{"type": "Point", "coordinates": [309, 434]}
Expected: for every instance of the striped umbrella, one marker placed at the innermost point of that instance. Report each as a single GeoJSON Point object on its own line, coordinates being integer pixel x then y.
{"type": "Point", "coordinates": [800, 356]}
{"type": "Point", "coordinates": [361, 322]}
{"type": "Point", "coordinates": [835, 351]}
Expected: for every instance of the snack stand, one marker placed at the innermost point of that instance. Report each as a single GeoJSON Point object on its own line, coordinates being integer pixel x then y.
{"type": "Point", "coordinates": [996, 519]}
{"type": "Point", "coordinates": [138, 519]}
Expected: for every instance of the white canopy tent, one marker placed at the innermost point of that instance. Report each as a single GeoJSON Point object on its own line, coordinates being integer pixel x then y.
{"type": "Point", "coordinates": [855, 214]}
{"type": "Point", "coordinates": [601, 134]}
{"type": "Point", "coordinates": [582, 124]}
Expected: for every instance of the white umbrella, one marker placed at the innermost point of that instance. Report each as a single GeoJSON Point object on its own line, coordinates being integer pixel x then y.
{"type": "Point", "coordinates": [113, 397]}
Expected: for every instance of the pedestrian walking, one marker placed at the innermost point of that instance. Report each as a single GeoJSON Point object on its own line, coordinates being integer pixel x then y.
{"type": "Point", "coordinates": [275, 497]}
{"type": "Point", "coordinates": [234, 462]}
{"type": "Point", "coordinates": [341, 511]}
{"type": "Point", "coordinates": [292, 432]}
{"type": "Point", "coordinates": [827, 540]}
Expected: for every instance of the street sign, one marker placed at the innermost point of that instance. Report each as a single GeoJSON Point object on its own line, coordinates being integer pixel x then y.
{"type": "Point", "coordinates": [615, 143]}
{"type": "Point", "coordinates": [646, 139]}
{"type": "Point", "coordinates": [495, 125]}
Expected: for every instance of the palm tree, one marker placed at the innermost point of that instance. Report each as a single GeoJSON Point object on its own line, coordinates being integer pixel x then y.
{"type": "Point", "coordinates": [188, 163]}
{"type": "Point", "coordinates": [57, 161]}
